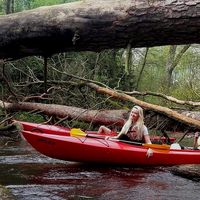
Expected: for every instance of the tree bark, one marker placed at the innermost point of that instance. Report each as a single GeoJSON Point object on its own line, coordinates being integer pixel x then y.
{"type": "Point", "coordinates": [114, 117]}
{"type": "Point", "coordinates": [159, 109]}
{"type": "Point", "coordinates": [107, 117]}
{"type": "Point", "coordinates": [191, 104]}
{"type": "Point", "coordinates": [9, 6]}
{"type": "Point", "coordinates": [88, 25]}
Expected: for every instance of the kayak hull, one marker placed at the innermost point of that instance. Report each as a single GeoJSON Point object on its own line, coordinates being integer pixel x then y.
{"type": "Point", "coordinates": [95, 150]}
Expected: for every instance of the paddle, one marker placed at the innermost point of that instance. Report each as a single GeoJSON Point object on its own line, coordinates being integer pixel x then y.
{"type": "Point", "coordinates": [76, 132]}
{"type": "Point", "coordinates": [79, 133]}
{"type": "Point", "coordinates": [154, 146]}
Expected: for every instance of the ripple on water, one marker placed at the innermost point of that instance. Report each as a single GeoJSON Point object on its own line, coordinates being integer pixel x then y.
{"type": "Point", "coordinates": [42, 192]}
{"type": "Point", "coordinates": [31, 158]}
{"type": "Point", "coordinates": [159, 186]}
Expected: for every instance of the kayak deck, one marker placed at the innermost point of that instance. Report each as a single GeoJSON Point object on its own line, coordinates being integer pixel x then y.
{"type": "Point", "coordinates": [59, 130]}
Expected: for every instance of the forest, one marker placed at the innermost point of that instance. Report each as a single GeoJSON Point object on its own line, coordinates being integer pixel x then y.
{"type": "Point", "coordinates": [161, 79]}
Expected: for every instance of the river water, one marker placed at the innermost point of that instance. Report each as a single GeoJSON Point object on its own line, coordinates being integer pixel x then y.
{"type": "Point", "coordinates": [31, 176]}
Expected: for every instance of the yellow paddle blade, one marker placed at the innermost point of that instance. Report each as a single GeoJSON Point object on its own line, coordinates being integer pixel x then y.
{"type": "Point", "coordinates": [157, 146]}
{"type": "Point", "coordinates": [76, 132]}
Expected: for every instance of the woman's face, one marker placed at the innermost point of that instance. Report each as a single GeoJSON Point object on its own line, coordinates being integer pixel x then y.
{"type": "Point", "coordinates": [134, 114]}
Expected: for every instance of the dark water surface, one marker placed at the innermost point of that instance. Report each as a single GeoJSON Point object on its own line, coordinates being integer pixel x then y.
{"type": "Point", "coordinates": [31, 176]}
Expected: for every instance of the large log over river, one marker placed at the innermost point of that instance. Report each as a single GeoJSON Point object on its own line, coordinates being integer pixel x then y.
{"type": "Point", "coordinates": [106, 24]}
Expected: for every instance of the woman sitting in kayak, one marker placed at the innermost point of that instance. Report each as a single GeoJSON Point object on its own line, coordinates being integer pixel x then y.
{"type": "Point", "coordinates": [134, 128]}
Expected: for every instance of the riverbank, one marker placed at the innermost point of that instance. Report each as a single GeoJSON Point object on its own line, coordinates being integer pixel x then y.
{"type": "Point", "coordinates": [6, 194]}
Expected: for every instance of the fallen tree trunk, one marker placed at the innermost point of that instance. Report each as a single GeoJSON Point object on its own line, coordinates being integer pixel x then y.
{"type": "Point", "coordinates": [106, 117]}
{"type": "Point", "coordinates": [187, 171]}
{"type": "Point", "coordinates": [106, 24]}
{"type": "Point", "coordinates": [169, 98]}
{"type": "Point", "coordinates": [162, 110]}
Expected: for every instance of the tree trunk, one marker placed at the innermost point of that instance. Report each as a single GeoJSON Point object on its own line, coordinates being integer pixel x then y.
{"type": "Point", "coordinates": [113, 117]}
{"type": "Point", "coordinates": [190, 171]}
{"type": "Point", "coordinates": [163, 110]}
{"type": "Point", "coordinates": [107, 117]}
{"type": "Point", "coordinates": [8, 7]}
{"type": "Point", "coordinates": [142, 68]}
{"type": "Point", "coordinates": [88, 25]}
{"type": "Point", "coordinates": [169, 64]}
{"type": "Point", "coordinates": [172, 62]}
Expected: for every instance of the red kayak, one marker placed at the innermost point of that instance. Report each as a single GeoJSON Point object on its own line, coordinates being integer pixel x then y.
{"type": "Point", "coordinates": [98, 150]}
{"type": "Point", "coordinates": [58, 130]}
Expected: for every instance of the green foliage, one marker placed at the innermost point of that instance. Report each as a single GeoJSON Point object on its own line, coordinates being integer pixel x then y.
{"type": "Point", "coordinates": [30, 4]}
{"type": "Point", "coordinates": [24, 116]}
{"type": "Point", "coordinates": [38, 3]}
{"type": "Point", "coordinates": [1, 7]}
{"type": "Point", "coordinates": [107, 67]}
{"type": "Point", "coordinates": [152, 78]}
{"type": "Point", "coordinates": [186, 76]}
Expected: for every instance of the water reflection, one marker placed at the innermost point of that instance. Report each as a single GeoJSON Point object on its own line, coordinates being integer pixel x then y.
{"type": "Point", "coordinates": [32, 176]}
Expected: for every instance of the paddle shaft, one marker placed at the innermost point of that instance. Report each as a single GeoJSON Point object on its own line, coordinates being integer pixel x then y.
{"type": "Point", "coordinates": [155, 146]}
{"type": "Point", "coordinates": [125, 141]}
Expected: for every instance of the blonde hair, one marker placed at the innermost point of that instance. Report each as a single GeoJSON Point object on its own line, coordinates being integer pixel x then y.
{"type": "Point", "coordinates": [139, 124]}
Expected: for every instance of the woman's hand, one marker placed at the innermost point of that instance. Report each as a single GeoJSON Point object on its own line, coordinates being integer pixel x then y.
{"type": "Point", "coordinates": [149, 152]}
{"type": "Point", "coordinates": [107, 137]}
{"type": "Point", "coordinates": [196, 135]}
